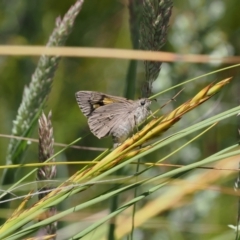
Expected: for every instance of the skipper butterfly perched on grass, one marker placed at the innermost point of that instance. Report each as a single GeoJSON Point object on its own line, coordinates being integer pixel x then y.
{"type": "Point", "coordinates": [111, 115]}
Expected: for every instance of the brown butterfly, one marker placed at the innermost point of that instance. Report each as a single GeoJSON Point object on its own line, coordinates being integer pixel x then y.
{"type": "Point", "coordinates": [111, 115]}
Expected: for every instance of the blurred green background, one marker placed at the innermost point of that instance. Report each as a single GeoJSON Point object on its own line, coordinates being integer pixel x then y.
{"type": "Point", "coordinates": [196, 27]}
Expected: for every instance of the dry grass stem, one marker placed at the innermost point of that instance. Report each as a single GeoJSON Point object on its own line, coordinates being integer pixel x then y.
{"type": "Point", "coordinates": [48, 172]}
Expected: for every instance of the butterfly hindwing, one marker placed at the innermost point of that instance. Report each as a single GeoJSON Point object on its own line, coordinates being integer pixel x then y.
{"type": "Point", "coordinates": [105, 119]}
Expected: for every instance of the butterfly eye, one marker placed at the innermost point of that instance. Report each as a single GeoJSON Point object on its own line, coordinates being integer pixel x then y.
{"type": "Point", "coordinates": [142, 102]}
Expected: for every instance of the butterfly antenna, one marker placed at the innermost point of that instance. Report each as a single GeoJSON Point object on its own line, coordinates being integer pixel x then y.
{"type": "Point", "coordinates": [172, 99]}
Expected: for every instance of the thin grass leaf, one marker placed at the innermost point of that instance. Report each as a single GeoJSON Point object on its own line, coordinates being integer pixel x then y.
{"type": "Point", "coordinates": [21, 206]}
{"type": "Point", "coordinates": [237, 187]}
{"type": "Point", "coordinates": [46, 237]}
{"type": "Point", "coordinates": [192, 79]}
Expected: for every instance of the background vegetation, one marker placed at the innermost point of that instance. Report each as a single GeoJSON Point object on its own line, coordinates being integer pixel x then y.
{"type": "Point", "coordinates": [196, 27]}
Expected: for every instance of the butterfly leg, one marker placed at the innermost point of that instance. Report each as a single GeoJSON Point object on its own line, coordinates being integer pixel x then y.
{"type": "Point", "coordinates": [135, 125]}
{"type": "Point", "coordinates": [116, 142]}
{"type": "Point", "coordinates": [152, 115]}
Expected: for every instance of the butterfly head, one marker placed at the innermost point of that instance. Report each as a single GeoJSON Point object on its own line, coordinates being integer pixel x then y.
{"type": "Point", "coordinates": [143, 110]}
{"type": "Point", "coordinates": [145, 103]}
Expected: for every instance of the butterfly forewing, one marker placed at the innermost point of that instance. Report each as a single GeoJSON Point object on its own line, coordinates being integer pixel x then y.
{"type": "Point", "coordinates": [88, 101]}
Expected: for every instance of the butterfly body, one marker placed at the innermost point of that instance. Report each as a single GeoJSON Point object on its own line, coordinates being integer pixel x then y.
{"type": "Point", "coordinates": [111, 115]}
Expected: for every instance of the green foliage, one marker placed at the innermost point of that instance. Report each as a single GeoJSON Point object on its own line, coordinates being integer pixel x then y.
{"type": "Point", "coordinates": [184, 203]}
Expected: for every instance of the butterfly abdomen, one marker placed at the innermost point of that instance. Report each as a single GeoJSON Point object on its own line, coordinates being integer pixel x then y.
{"type": "Point", "coordinates": [122, 133]}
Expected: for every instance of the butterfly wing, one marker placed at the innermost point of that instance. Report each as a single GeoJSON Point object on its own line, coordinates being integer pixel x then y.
{"type": "Point", "coordinates": [89, 101]}
{"type": "Point", "coordinates": [105, 119]}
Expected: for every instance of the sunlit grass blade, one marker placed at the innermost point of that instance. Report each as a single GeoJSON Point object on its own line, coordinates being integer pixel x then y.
{"type": "Point", "coordinates": [35, 210]}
